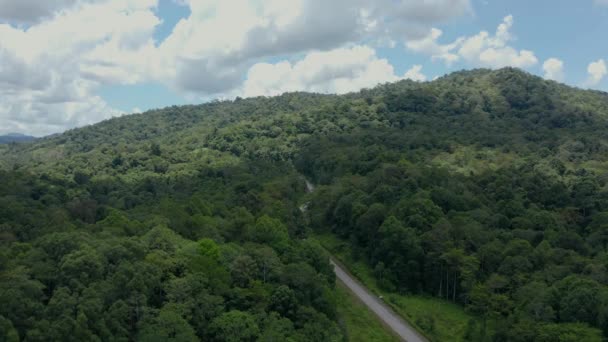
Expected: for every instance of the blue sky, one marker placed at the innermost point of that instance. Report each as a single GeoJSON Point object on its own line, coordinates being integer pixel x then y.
{"type": "Point", "coordinates": [126, 56]}
{"type": "Point", "coordinates": [573, 31]}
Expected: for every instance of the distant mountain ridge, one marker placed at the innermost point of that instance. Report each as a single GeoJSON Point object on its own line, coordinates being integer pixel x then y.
{"type": "Point", "coordinates": [15, 137]}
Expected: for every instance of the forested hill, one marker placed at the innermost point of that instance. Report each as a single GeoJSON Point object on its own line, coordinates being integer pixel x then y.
{"type": "Point", "coordinates": [485, 188]}
{"type": "Point", "coordinates": [507, 110]}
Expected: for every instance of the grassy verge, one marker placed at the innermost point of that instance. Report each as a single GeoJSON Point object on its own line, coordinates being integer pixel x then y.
{"type": "Point", "coordinates": [438, 319]}
{"type": "Point", "coordinates": [361, 324]}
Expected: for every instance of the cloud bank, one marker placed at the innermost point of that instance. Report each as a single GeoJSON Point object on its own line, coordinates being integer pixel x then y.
{"type": "Point", "coordinates": [56, 55]}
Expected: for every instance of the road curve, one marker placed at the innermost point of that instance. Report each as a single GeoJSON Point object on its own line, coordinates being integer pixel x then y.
{"type": "Point", "coordinates": [384, 313]}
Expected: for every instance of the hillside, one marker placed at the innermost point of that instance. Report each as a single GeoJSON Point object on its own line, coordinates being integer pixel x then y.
{"type": "Point", "coordinates": [474, 110]}
{"type": "Point", "coordinates": [483, 188]}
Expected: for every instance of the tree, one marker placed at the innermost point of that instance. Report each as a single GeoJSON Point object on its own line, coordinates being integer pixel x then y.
{"type": "Point", "coordinates": [191, 294]}
{"type": "Point", "coordinates": [572, 332]}
{"type": "Point", "coordinates": [155, 149]}
{"type": "Point", "coordinates": [8, 333]}
{"type": "Point", "coordinates": [488, 305]}
{"type": "Point", "coordinates": [270, 231]}
{"type": "Point", "coordinates": [209, 249]}
{"type": "Point", "coordinates": [283, 301]}
{"type": "Point", "coordinates": [578, 300]}
{"type": "Point", "coordinates": [534, 301]}
{"type": "Point", "coordinates": [234, 326]}
{"type": "Point", "coordinates": [277, 329]}
{"type": "Point", "coordinates": [419, 211]}
{"type": "Point", "coordinates": [84, 265]}
{"type": "Point", "coordinates": [243, 270]}
{"type": "Point", "coordinates": [367, 225]}
{"type": "Point", "coordinates": [399, 249]}
{"type": "Point", "coordinates": [268, 262]}
{"type": "Point", "coordinates": [167, 326]}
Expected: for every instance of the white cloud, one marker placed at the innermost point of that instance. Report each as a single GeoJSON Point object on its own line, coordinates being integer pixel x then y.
{"type": "Point", "coordinates": [54, 55]}
{"type": "Point", "coordinates": [410, 19]}
{"type": "Point", "coordinates": [429, 10]}
{"type": "Point", "coordinates": [480, 50]}
{"type": "Point", "coordinates": [506, 56]}
{"type": "Point", "coordinates": [428, 45]}
{"type": "Point", "coordinates": [251, 30]}
{"type": "Point", "coordinates": [49, 72]}
{"type": "Point", "coordinates": [596, 70]}
{"type": "Point", "coordinates": [339, 71]}
{"type": "Point", "coordinates": [40, 113]}
{"type": "Point", "coordinates": [415, 74]}
{"type": "Point", "coordinates": [553, 69]}
{"type": "Point", "coordinates": [601, 2]}
{"type": "Point", "coordinates": [29, 11]}
{"type": "Point", "coordinates": [494, 51]}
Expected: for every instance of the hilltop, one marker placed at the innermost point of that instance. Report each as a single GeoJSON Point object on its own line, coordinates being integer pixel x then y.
{"type": "Point", "coordinates": [464, 111]}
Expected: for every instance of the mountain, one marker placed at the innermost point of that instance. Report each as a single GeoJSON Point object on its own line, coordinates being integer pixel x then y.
{"type": "Point", "coordinates": [15, 137]}
{"type": "Point", "coordinates": [482, 192]}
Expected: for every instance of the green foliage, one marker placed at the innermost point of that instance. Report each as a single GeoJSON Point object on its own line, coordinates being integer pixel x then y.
{"type": "Point", "coordinates": [167, 326]}
{"type": "Point", "coordinates": [361, 324]}
{"type": "Point", "coordinates": [8, 332]}
{"type": "Point", "coordinates": [284, 301]}
{"type": "Point", "coordinates": [484, 188]}
{"type": "Point", "coordinates": [270, 231]}
{"type": "Point", "coordinates": [172, 265]}
{"type": "Point", "coordinates": [234, 326]}
{"type": "Point", "coordinates": [209, 249]}
{"type": "Point", "coordinates": [450, 319]}
{"type": "Point", "coordinates": [569, 332]}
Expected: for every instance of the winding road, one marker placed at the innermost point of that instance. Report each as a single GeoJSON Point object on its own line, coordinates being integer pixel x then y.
{"type": "Point", "coordinates": [383, 311]}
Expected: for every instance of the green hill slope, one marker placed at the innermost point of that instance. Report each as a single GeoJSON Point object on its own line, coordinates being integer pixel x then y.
{"type": "Point", "coordinates": [484, 188]}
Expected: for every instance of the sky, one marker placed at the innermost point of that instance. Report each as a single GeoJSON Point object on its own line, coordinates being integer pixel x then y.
{"type": "Point", "coordinates": [70, 63]}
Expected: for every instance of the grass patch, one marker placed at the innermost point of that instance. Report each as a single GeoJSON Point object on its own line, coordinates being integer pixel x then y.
{"type": "Point", "coordinates": [467, 160]}
{"type": "Point", "coordinates": [361, 324]}
{"type": "Point", "coordinates": [438, 319]}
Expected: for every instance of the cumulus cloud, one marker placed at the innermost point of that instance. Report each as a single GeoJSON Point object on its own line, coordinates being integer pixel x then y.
{"type": "Point", "coordinates": [596, 71]}
{"type": "Point", "coordinates": [410, 19]}
{"type": "Point", "coordinates": [415, 74]}
{"type": "Point", "coordinates": [425, 11]}
{"type": "Point", "coordinates": [486, 50]}
{"type": "Point", "coordinates": [49, 71]}
{"type": "Point", "coordinates": [429, 45]}
{"type": "Point", "coordinates": [553, 69]}
{"type": "Point", "coordinates": [29, 11]}
{"type": "Point", "coordinates": [54, 55]}
{"type": "Point", "coordinates": [482, 49]}
{"type": "Point", "coordinates": [336, 71]}
{"type": "Point", "coordinates": [213, 63]}
{"type": "Point", "coordinates": [339, 71]}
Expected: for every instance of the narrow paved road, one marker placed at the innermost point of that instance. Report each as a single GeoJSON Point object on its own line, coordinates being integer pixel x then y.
{"type": "Point", "coordinates": [386, 314]}
{"type": "Point", "coordinates": [309, 186]}
{"type": "Point", "coordinates": [400, 327]}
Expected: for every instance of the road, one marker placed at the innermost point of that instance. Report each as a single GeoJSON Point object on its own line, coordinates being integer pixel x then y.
{"type": "Point", "coordinates": [384, 313]}
{"type": "Point", "coordinates": [379, 308]}
{"type": "Point", "coordinates": [309, 186]}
